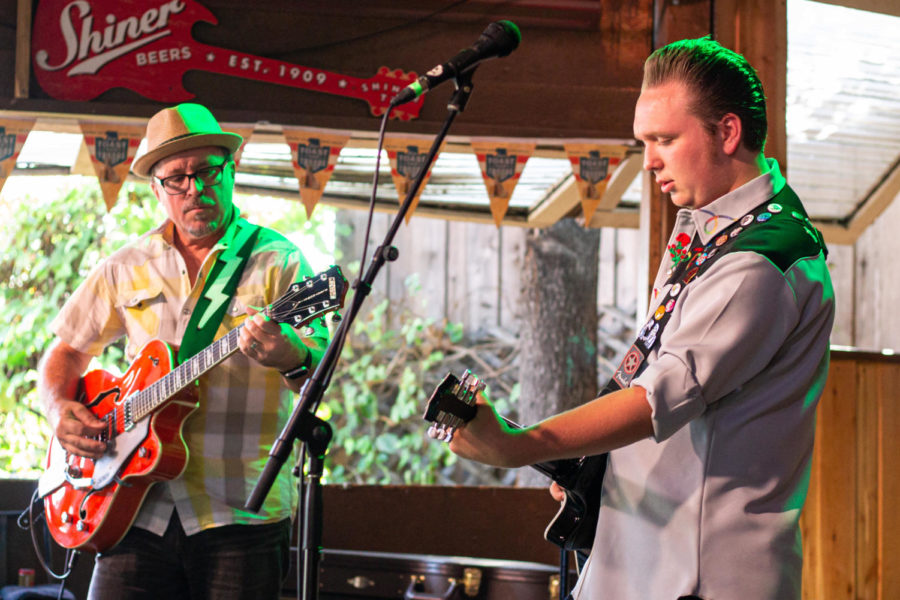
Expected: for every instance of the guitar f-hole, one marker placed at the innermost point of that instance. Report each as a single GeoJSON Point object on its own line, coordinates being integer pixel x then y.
{"type": "Point", "coordinates": [82, 513]}
{"type": "Point", "coordinates": [99, 398]}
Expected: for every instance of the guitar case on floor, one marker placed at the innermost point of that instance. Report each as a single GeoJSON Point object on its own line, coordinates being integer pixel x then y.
{"type": "Point", "coordinates": [358, 575]}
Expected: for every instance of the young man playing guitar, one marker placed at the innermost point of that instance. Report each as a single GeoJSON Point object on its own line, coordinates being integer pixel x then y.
{"type": "Point", "coordinates": [191, 538]}
{"type": "Point", "coordinates": [710, 435]}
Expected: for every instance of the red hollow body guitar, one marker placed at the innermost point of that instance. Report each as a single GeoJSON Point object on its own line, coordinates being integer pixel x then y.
{"type": "Point", "coordinates": [91, 504]}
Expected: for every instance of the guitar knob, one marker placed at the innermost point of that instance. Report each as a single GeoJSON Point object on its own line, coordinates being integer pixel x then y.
{"type": "Point", "coordinates": [143, 452]}
{"type": "Point", "coordinates": [64, 517]}
{"type": "Point", "coordinates": [81, 526]}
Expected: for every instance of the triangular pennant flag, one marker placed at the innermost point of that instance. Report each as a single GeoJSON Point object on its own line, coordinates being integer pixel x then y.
{"type": "Point", "coordinates": [112, 146]}
{"type": "Point", "coordinates": [407, 156]}
{"type": "Point", "coordinates": [243, 130]}
{"type": "Point", "coordinates": [13, 133]}
{"type": "Point", "coordinates": [313, 154]}
{"type": "Point", "coordinates": [592, 166]}
{"type": "Point", "coordinates": [501, 164]}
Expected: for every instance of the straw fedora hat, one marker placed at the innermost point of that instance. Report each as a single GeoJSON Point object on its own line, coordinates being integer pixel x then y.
{"type": "Point", "coordinates": [180, 128]}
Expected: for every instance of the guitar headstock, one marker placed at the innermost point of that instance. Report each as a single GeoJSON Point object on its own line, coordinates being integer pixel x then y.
{"type": "Point", "coordinates": [451, 404]}
{"type": "Point", "coordinates": [310, 298]}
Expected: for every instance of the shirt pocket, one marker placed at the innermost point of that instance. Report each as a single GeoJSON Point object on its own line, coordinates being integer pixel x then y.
{"type": "Point", "coordinates": [142, 313]}
{"type": "Point", "coordinates": [237, 309]}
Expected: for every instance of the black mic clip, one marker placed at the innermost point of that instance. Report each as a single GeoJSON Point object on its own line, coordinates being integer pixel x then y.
{"type": "Point", "coordinates": [464, 85]}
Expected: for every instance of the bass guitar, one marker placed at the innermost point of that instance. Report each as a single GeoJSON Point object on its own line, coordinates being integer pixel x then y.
{"type": "Point", "coordinates": [91, 503]}
{"type": "Point", "coordinates": [452, 404]}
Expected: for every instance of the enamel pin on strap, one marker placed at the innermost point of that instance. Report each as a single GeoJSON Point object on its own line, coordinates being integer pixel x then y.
{"type": "Point", "coordinates": [690, 262]}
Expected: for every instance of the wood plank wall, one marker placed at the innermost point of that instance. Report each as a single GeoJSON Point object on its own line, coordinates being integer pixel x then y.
{"type": "Point", "coordinates": [470, 273]}
{"type": "Point", "coordinates": [851, 531]}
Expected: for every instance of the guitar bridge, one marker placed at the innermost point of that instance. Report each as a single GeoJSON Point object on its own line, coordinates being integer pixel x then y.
{"type": "Point", "coordinates": [127, 416]}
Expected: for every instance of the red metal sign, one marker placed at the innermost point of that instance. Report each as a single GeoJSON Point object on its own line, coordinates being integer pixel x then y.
{"type": "Point", "coordinates": [82, 48]}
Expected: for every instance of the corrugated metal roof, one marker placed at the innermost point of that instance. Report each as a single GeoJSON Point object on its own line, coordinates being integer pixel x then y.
{"type": "Point", "coordinates": [843, 104]}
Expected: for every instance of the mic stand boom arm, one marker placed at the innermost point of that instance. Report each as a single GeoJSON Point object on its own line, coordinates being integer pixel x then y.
{"type": "Point", "coordinates": [303, 423]}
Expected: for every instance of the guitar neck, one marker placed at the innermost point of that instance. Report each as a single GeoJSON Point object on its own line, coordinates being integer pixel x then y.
{"type": "Point", "coordinates": [561, 471]}
{"type": "Point", "coordinates": [150, 398]}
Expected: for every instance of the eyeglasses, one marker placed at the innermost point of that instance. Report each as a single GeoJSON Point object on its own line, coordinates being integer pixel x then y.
{"type": "Point", "coordinates": [181, 183]}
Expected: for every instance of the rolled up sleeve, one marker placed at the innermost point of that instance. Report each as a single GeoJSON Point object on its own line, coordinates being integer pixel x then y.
{"type": "Point", "coordinates": [726, 327]}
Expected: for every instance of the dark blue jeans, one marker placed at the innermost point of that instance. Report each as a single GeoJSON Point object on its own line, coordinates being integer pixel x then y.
{"type": "Point", "coordinates": [224, 563]}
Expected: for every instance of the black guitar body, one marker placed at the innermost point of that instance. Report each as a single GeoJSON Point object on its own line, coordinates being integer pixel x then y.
{"type": "Point", "coordinates": [575, 524]}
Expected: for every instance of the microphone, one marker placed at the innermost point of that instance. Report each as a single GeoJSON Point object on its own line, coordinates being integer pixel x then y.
{"type": "Point", "coordinates": [498, 40]}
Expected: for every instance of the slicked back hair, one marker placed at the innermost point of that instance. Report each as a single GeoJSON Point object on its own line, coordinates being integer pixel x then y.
{"type": "Point", "coordinates": [721, 82]}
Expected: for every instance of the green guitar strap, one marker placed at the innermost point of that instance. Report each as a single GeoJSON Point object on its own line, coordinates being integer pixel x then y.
{"type": "Point", "coordinates": [220, 286]}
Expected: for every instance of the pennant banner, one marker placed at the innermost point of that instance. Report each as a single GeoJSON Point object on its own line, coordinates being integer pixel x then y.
{"type": "Point", "coordinates": [408, 156]}
{"type": "Point", "coordinates": [245, 131]}
{"type": "Point", "coordinates": [501, 166]}
{"type": "Point", "coordinates": [593, 166]}
{"type": "Point", "coordinates": [112, 146]}
{"type": "Point", "coordinates": [13, 133]}
{"type": "Point", "coordinates": [313, 154]}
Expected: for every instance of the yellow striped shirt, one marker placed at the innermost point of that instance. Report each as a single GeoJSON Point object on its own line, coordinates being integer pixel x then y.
{"type": "Point", "coordinates": [143, 292]}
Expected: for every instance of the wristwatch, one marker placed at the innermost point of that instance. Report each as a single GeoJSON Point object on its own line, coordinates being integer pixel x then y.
{"type": "Point", "coordinates": [302, 370]}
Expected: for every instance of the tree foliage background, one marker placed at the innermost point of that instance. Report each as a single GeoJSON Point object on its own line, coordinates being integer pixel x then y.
{"type": "Point", "coordinates": [50, 241]}
{"type": "Point", "coordinates": [391, 362]}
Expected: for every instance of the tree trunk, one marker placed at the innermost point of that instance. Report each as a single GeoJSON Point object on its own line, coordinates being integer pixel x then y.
{"type": "Point", "coordinates": [558, 358]}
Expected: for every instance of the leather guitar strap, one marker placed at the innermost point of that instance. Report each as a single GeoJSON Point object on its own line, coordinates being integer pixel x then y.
{"type": "Point", "coordinates": [697, 262]}
{"type": "Point", "coordinates": [220, 286]}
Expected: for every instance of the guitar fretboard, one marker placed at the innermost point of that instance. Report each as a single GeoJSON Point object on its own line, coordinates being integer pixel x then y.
{"type": "Point", "coordinates": [144, 402]}
{"type": "Point", "coordinates": [302, 303]}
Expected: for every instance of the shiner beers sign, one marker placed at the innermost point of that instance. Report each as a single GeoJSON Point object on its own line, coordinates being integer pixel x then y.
{"type": "Point", "coordinates": [82, 48]}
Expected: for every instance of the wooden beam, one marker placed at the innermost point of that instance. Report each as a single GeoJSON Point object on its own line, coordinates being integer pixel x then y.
{"type": "Point", "coordinates": [657, 223]}
{"type": "Point", "coordinates": [887, 7]}
{"type": "Point", "coordinates": [265, 133]}
{"type": "Point", "coordinates": [23, 49]}
{"type": "Point", "coordinates": [835, 234]}
{"type": "Point", "coordinates": [620, 180]}
{"type": "Point", "coordinates": [884, 193]}
{"type": "Point", "coordinates": [619, 219]}
{"type": "Point", "coordinates": [556, 205]}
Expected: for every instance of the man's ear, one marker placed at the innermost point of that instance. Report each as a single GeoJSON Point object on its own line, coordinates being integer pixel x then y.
{"type": "Point", "coordinates": [155, 188]}
{"type": "Point", "coordinates": [731, 133]}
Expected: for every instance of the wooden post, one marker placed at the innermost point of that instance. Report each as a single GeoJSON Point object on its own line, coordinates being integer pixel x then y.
{"type": "Point", "coordinates": [673, 21]}
{"type": "Point", "coordinates": [657, 221]}
{"type": "Point", "coordinates": [23, 48]}
{"type": "Point", "coordinates": [758, 30]}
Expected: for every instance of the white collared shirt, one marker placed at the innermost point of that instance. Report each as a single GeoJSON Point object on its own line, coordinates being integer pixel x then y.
{"type": "Point", "coordinates": [709, 505]}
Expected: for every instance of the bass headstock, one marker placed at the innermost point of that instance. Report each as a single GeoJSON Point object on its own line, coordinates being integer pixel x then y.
{"type": "Point", "coordinates": [452, 404]}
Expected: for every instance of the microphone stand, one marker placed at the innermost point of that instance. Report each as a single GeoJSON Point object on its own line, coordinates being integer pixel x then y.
{"type": "Point", "coordinates": [304, 424]}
